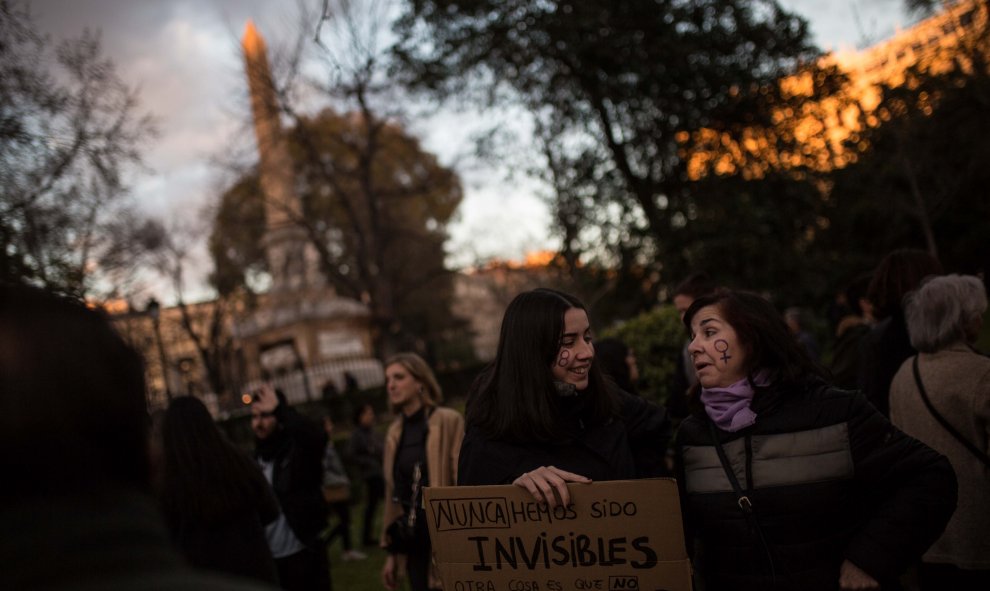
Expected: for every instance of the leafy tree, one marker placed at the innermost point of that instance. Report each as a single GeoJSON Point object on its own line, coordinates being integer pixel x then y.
{"type": "Point", "coordinates": [375, 206]}
{"type": "Point", "coordinates": [68, 129]}
{"type": "Point", "coordinates": [920, 176]}
{"type": "Point", "coordinates": [656, 337]}
{"type": "Point", "coordinates": [621, 93]}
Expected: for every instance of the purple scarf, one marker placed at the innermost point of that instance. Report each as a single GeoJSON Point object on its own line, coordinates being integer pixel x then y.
{"type": "Point", "coordinates": [729, 407]}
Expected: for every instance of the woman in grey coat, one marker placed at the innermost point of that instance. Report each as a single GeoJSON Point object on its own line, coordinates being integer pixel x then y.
{"type": "Point", "coordinates": [944, 317]}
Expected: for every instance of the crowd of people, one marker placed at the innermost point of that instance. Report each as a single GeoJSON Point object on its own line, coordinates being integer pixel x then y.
{"type": "Point", "coordinates": [874, 475]}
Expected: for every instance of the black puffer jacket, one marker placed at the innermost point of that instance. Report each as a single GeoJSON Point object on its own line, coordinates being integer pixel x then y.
{"type": "Point", "coordinates": [631, 445]}
{"type": "Point", "coordinates": [829, 479]}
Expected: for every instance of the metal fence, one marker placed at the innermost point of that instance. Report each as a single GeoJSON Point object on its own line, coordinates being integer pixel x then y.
{"type": "Point", "coordinates": [313, 382]}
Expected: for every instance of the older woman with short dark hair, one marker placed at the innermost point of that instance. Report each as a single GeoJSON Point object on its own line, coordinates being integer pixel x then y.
{"type": "Point", "coordinates": [944, 317]}
{"type": "Point", "coordinates": [791, 484]}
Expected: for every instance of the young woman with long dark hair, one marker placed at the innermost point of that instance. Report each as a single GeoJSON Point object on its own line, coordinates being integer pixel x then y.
{"type": "Point", "coordinates": [542, 414]}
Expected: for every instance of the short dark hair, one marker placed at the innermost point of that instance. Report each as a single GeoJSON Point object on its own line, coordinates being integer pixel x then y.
{"type": "Point", "coordinates": [695, 285]}
{"type": "Point", "coordinates": [515, 398]}
{"type": "Point", "coordinates": [73, 412]}
{"type": "Point", "coordinates": [761, 330]}
{"type": "Point", "coordinates": [898, 273]}
{"type": "Point", "coordinates": [359, 410]}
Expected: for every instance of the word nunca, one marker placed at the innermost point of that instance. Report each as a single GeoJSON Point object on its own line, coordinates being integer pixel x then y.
{"type": "Point", "coordinates": [495, 512]}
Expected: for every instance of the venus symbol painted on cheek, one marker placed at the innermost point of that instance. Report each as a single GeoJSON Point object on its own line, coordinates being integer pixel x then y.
{"type": "Point", "coordinates": [564, 357]}
{"type": "Point", "coordinates": [722, 346]}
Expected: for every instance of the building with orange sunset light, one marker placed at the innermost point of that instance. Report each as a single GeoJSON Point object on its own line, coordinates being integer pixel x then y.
{"type": "Point", "coordinates": [819, 129]}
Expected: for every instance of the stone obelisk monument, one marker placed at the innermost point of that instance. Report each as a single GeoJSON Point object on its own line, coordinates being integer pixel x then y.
{"type": "Point", "coordinates": [292, 259]}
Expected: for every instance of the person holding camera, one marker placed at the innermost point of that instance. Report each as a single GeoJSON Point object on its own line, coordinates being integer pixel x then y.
{"type": "Point", "coordinates": [421, 449]}
{"type": "Point", "coordinates": [289, 448]}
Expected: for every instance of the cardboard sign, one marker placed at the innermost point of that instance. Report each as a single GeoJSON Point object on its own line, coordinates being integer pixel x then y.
{"type": "Point", "coordinates": [623, 535]}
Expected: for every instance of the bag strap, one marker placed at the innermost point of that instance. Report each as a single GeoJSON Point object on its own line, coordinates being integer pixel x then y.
{"type": "Point", "coordinates": [942, 421]}
{"type": "Point", "coordinates": [742, 498]}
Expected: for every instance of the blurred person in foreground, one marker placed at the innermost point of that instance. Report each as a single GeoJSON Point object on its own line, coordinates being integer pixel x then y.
{"type": "Point", "coordinates": [790, 483]}
{"type": "Point", "coordinates": [542, 414]}
{"type": "Point", "coordinates": [887, 345]}
{"type": "Point", "coordinates": [76, 510]}
{"type": "Point", "coordinates": [944, 317]}
{"type": "Point", "coordinates": [215, 500]}
{"type": "Point", "coordinates": [421, 449]}
{"type": "Point", "coordinates": [289, 448]}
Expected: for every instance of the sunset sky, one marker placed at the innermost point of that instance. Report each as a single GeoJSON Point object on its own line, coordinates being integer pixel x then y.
{"type": "Point", "coordinates": [185, 57]}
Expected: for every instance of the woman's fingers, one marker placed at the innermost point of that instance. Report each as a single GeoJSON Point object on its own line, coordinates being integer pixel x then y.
{"type": "Point", "coordinates": [526, 481]}
{"type": "Point", "coordinates": [547, 484]}
{"type": "Point", "coordinates": [568, 476]}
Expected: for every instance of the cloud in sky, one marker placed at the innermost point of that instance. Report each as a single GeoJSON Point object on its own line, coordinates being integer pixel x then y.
{"type": "Point", "coordinates": [185, 57]}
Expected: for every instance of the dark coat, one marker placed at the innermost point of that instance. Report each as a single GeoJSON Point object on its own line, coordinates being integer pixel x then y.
{"type": "Point", "coordinates": [847, 353]}
{"type": "Point", "coordinates": [297, 477]}
{"type": "Point", "coordinates": [829, 479]}
{"type": "Point", "coordinates": [883, 351]}
{"type": "Point", "coordinates": [365, 449]}
{"type": "Point", "coordinates": [630, 445]}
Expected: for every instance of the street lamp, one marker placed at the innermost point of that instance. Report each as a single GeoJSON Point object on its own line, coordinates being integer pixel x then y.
{"type": "Point", "coordinates": [154, 310]}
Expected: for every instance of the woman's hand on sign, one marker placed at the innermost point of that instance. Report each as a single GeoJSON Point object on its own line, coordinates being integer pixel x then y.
{"type": "Point", "coordinates": [853, 577]}
{"type": "Point", "coordinates": [393, 571]}
{"type": "Point", "coordinates": [548, 483]}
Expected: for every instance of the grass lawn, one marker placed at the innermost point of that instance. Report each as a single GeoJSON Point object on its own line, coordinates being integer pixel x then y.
{"type": "Point", "coordinates": [357, 575]}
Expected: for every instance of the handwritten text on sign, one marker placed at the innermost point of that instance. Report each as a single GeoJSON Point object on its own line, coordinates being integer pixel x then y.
{"type": "Point", "coordinates": [614, 536]}
{"type": "Point", "coordinates": [514, 551]}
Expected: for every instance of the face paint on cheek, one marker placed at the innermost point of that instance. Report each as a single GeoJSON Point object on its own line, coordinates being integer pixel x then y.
{"type": "Point", "coordinates": [722, 346]}
{"type": "Point", "coordinates": [563, 358]}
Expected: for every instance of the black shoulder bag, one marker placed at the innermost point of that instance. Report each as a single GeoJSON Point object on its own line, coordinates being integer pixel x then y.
{"type": "Point", "coordinates": [742, 499]}
{"type": "Point", "coordinates": [942, 421]}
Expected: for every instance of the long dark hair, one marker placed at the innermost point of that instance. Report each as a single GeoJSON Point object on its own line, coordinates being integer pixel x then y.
{"type": "Point", "coordinates": [204, 478]}
{"type": "Point", "coordinates": [762, 332]}
{"type": "Point", "coordinates": [515, 398]}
